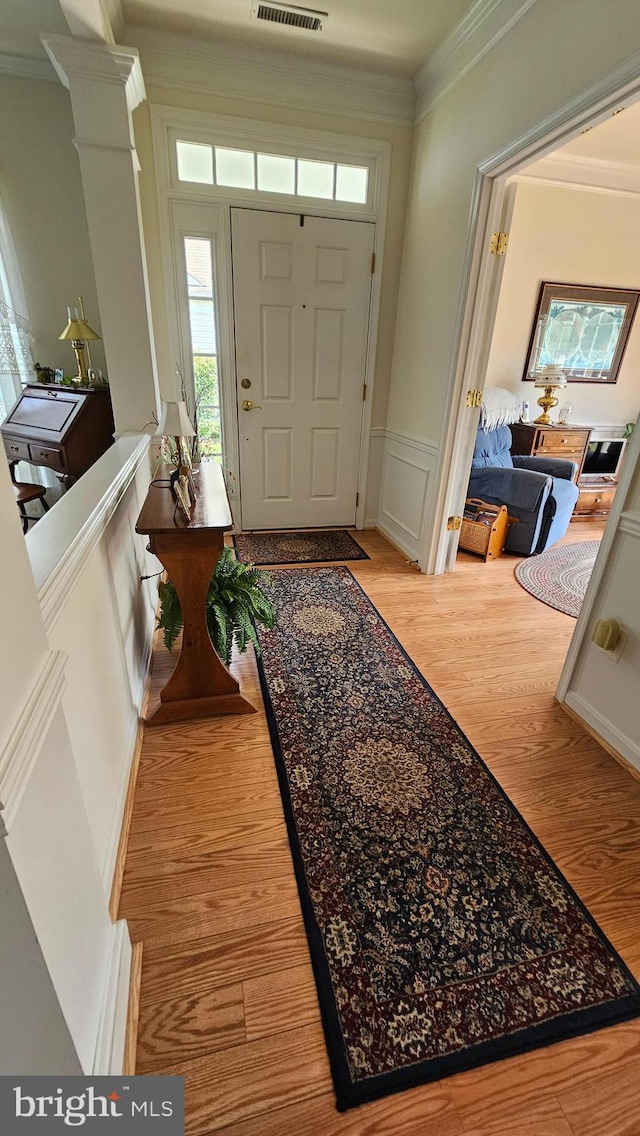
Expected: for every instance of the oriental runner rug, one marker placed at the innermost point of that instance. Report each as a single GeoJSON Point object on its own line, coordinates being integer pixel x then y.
{"type": "Point", "coordinates": [559, 576]}
{"type": "Point", "coordinates": [441, 933]}
{"type": "Point", "coordinates": [297, 547]}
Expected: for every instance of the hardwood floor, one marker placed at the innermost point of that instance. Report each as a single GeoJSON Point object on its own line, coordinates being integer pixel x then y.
{"type": "Point", "coordinates": [227, 995]}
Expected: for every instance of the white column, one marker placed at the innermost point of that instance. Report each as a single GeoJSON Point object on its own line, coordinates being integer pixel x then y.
{"type": "Point", "coordinates": [105, 84]}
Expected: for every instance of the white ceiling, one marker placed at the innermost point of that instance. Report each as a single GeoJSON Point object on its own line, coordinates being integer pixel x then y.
{"type": "Point", "coordinates": [394, 36]}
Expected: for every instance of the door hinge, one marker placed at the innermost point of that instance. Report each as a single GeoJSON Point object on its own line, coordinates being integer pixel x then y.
{"type": "Point", "coordinates": [373, 263]}
{"type": "Point", "coordinates": [474, 399]}
{"type": "Point", "coordinates": [357, 500]}
{"type": "Point", "coordinates": [364, 392]}
{"type": "Point", "coordinates": [453, 523]}
{"type": "Point", "coordinates": [499, 242]}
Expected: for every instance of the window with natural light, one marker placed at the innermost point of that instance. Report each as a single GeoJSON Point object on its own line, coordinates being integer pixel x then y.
{"type": "Point", "coordinates": [271, 173]}
{"type": "Point", "coordinates": [202, 319]}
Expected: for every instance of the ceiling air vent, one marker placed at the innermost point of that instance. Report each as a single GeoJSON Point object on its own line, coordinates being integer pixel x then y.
{"type": "Point", "coordinates": [290, 15]}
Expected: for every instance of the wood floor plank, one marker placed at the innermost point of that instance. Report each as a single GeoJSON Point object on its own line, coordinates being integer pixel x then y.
{"type": "Point", "coordinates": [537, 1123]}
{"type": "Point", "coordinates": [233, 910]}
{"type": "Point", "coordinates": [511, 1089]}
{"type": "Point", "coordinates": [257, 1077]}
{"type": "Point", "coordinates": [427, 1111]}
{"type": "Point", "coordinates": [605, 1106]}
{"type": "Point", "coordinates": [223, 960]}
{"type": "Point", "coordinates": [232, 867]}
{"type": "Point", "coordinates": [277, 1002]}
{"type": "Point", "coordinates": [180, 1029]}
{"type": "Point", "coordinates": [180, 851]}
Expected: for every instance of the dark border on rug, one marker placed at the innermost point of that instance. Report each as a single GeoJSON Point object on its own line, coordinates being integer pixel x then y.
{"type": "Point", "coordinates": [284, 563]}
{"type": "Point", "coordinates": [351, 1095]}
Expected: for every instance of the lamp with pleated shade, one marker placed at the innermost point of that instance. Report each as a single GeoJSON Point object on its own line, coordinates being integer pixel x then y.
{"type": "Point", "coordinates": [79, 332]}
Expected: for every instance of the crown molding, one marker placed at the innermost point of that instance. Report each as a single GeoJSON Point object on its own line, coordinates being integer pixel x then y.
{"type": "Point", "coordinates": [181, 63]}
{"type": "Point", "coordinates": [482, 27]}
{"type": "Point", "coordinates": [97, 62]}
{"type": "Point", "coordinates": [574, 171]}
{"type": "Point", "coordinates": [27, 68]}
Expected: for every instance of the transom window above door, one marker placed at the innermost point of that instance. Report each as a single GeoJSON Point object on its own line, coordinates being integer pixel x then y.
{"type": "Point", "coordinates": [272, 173]}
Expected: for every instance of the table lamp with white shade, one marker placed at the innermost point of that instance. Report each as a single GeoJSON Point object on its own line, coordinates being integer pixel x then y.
{"type": "Point", "coordinates": [175, 422]}
{"type": "Point", "coordinates": [549, 379]}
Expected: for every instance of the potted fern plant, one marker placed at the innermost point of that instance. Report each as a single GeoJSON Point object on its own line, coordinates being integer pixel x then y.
{"type": "Point", "coordinates": [236, 601]}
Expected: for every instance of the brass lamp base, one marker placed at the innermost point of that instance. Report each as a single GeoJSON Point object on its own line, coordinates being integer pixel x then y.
{"type": "Point", "coordinates": [79, 346]}
{"type": "Point", "coordinates": [547, 401]}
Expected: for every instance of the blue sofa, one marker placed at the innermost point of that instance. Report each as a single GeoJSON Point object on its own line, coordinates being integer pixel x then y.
{"type": "Point", "coordinates": [538, 491]}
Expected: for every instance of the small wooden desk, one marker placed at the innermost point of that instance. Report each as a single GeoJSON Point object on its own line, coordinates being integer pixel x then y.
{"type": "Point", "coordinates": [200, 686]}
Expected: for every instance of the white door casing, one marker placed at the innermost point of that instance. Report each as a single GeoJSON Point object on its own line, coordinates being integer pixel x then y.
{"type": "Point", "coordinates": [302, 288]}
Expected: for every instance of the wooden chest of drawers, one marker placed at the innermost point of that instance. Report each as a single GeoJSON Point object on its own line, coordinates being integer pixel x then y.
{"type": "Point", "coordinates": [595, 500]}
{"type": "Point", "coordinates": [551, 441]}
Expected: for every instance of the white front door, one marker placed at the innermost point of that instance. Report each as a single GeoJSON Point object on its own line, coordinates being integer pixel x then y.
{"type": "Point", "coordinates": [301, 293]}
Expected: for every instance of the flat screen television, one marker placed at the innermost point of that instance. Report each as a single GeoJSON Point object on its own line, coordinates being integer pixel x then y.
{"type": "Point", "coordinates": [604, 457]}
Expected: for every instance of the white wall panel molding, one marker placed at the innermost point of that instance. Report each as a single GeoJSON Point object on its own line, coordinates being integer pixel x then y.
{"type": "Point", "coordinates": [483, 26]}
{"type": "Point", "coordinates": [63, 541]}
{"type": "Point", "coordinates": [423, 444]}
{"type": "Point", "coordinates": [183, 64]}
{"type": "Point", "coordinates": [115, 1002]}
{"type": "Point", "coordinates": [608, 731]}
{"type": "Point", "coordinates": [27, 68]}
{"type": "Point", "coordinates": [25, 741]}
{"type": "Point", "coordinates": [409, 463]}
{"type": "Point", "coordinates": [108, 867]}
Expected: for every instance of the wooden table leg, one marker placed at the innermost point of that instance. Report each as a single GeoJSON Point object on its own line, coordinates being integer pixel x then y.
{"type": "Point", "coordinates": [200, 686]}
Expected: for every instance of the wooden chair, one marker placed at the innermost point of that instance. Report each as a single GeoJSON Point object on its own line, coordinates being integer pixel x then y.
{"type": "Point", "coordinates": [25, 492]}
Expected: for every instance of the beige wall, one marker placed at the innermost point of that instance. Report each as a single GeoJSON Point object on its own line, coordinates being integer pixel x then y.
{"type": "Point", "coordinates": [398, 136]}
{"type": "Point", "coordinates": [42, 194]}
{"type": "Point", "coordinates": [527, 75]}
{"type": "Point", "coordinates": [575, 237]}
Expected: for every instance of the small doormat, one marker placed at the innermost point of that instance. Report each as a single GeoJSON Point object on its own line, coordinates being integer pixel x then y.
{"type": "Point", "coordinates": [441, 933]}
{"type": "Point", "coordinates": [559, 576]}
{"type": "Point", "coordinates": [297, 547]}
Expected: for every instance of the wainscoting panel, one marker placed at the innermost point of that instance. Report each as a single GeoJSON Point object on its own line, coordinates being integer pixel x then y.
{"type": "Point", "coordinates": [603, 692]}
{"type": "Point", "coordinates": [407, 481]}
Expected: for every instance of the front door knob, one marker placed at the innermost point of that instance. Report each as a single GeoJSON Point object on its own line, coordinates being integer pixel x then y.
{"type": "Point", "coordinates": [249, 405]}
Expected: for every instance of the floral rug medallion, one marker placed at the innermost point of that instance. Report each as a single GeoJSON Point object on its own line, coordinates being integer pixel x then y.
{"type": "Point", "coordinates": [297, 547]}
{"type": "Point", "coordinates": [441, 933]}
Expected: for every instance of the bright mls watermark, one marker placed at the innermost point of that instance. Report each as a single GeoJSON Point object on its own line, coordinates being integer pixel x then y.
{"type": "Point", "coordinates": [128, 1106]}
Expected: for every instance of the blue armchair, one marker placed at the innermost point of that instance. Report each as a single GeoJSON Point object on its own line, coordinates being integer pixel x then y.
{"type": "Point", "coordinates": [538, 491]}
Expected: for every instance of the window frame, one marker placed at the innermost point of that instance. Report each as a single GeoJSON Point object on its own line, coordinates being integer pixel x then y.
{"type": "Point", "coordinates": [240, 135]}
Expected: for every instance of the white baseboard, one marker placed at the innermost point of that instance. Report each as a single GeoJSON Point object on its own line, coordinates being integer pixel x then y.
{"type": "Point", "coordinates": [109, 1055]}
{"type": "Point", "coordinates": [621, 743]}
{"type": "Point", "coordinates": [397, 541]}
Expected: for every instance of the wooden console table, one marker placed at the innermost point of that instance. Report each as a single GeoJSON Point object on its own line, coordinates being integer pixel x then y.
{"type": "Point", "coordinates": [200, 686]}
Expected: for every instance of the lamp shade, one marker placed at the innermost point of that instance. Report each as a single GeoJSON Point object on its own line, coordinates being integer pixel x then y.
{"type": "Point", "coordinates": [175, 420]}
{"type": "Point", "coordinates": [551, 376]}
{"type": "Point", "coordinates": [78, 329]}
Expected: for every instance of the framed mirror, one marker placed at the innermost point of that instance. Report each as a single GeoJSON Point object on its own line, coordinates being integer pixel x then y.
{"type": "Point", "coordinates": [582, 329]}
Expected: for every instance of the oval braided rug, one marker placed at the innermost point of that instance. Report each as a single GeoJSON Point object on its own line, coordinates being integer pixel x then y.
{"type": "Point", "coordinates": [559, 576]}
